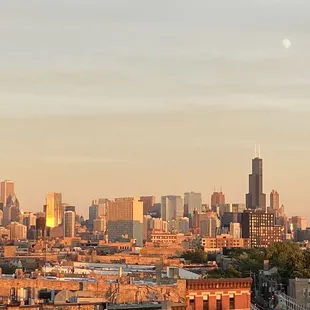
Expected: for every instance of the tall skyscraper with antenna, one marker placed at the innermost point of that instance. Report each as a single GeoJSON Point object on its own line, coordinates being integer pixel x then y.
{"type": "Point", "coordinates": [256, 199]}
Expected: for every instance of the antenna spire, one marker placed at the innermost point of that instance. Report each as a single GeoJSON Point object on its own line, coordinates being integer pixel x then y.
{"type": "Point", "coordinates": [255, 151]}
{"type": "Point", "coordinates": [259, 151]}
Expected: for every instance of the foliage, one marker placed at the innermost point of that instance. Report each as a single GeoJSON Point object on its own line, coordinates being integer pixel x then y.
{"type": "Point", "coordinates": [197, 256]}
{"type": "Point", "coordinates": [248, 261]}
{"type": "Point", "coordinates": [219, 273]}
{"type": "Point", "coordinates": [290, 260]}
{"type": "Point", "coordinates": [8, 268]}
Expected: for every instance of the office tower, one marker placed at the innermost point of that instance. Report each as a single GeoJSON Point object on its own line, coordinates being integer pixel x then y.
{"type": "Point", "coordinates": [230, 217]}
{"type": "Point", "coordinates": [12, 201]}
{"type": "Point", "coordinates": [256, 199]}
{"type": "Point", "coordinates": [260, 227]}
{"type": "Point", "coordinates": [155, 211]}
{"type": "Point", "coordinates": [235, 230]}
{"type": "Point", "coordinates": [298, 223]}
{"type": "Point", "coordinates": [281, 212]}
{"type": "Point", "coordinates": [125, 218]}
{"type": "Point", "coordinates": [92, 213]}
{"type": "Point", "coordinates": [98, 209]}
{"type": "Point", "coordinates": [28, 219]}
{"type": "Point", "coordinates": [40, 226]}
{"type": "Point", "coordinates": [102, 204]}
{"type": "Point", "coordinates": [7, 217]}
{"type": "Point", "coordinates": [192, 201]}
{"type": "Point", "coordinates": [208, 227]}
{"type": "Point", "coordinates": [100, 225]}
{"type": "Point", "coordinates": [153, 225]}
{"type": "Point", "coordinates": [172, 208]}
{"type": "Point", "coordinates": [147, 220]}
{"type": "Point", "coordinates": [7, 189]}
{"type": "Point", "coordinates": [157, 224]}
{"type": "Point", "coordinates": [1, 217]}
{"type": "Point", "coordinates": [15, 214]}
{"type": "Point", "coordinates": [69, 224]}
{"type": "Point", "coordinates": [54, 209]}
{"type": "Point", "coordinates": [183, 225]}
{"type": "Point", "coordinates": [17, 231]}
{"type": "Point", "coordinates": [227, 207]}
{"type": "Point", "coordinates": [148, 203]}
{"type": "Point", "coordinates": [69, 208]}
{"type": "Point", "coordinates": [206, 222]}
{"type": "Point", "coordinates": [217, 198]}
{"type": "Point", "coordinates": [238, 207]}
{"type": "Point", "coordinates": [274, 202]}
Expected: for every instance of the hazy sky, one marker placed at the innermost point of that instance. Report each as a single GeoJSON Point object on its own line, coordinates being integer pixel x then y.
{"type": "Point", "coordinates": [115, 98]}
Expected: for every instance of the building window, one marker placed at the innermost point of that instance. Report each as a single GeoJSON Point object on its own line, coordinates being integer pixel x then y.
{"type": "Point", "coordinates": [192, 304]}
{"type": "Point", "coordinates": [206, 305]}
{"type": "Point", "coordinates": [219, 304]}
{"type": "Point", "coordinates": [232, 303]}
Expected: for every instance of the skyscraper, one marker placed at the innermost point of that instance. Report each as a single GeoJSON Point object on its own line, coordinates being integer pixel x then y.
{"type": "Point", "coordinates": [148, 202]}
{"type": "Point", "coordinates": [7, 189]}
{"type": "Point", "coordinates": [125, 217]}
{"type": "Point", "coordinates": [69, 224]}
{"type": "Point", "coordinates": [217, 198]}
{"type": "Point", "coordinates": [98, 210]}
{"type": "Point", "coordinates": [18, 231]}
{"type": "Point", "coordinates": [68, 208]}
{"type": "Point", "coordinates": [260, 227]}
{"type": "Point", "coordinates": [100, 225]}
{"type": "Point", "coordinates": [172, 207]}
{"type": "Point", "coordinates": [274, 201]}
{"type": "Point", "coordinates": [256, 199]}
{"type": "Point", "coordinates": [192, 201]}
{"type": "Point", "coordinates": [54, 209]}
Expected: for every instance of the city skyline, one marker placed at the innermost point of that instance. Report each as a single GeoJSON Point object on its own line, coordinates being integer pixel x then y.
{"type": "Point", "coordinates": [256, 167]}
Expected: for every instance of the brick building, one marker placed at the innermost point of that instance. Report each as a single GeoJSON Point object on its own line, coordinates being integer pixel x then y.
{"type": "Point", "coordinates": [224, 241]}
{"type": "Point", "coordinates": [167, 238]}
{"type": "Point", "coordinates": [222, 294]}
{"type": "Point", "coordinates": [261, 229]}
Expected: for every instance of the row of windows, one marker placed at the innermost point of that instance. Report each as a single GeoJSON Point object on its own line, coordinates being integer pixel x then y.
{"type": "Point", "coordinates": [219, 305]}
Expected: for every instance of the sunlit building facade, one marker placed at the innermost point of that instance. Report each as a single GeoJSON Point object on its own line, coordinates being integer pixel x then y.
{"type": "Point", "coordinates": [54, 209]}
{"type": "Point", "coordinates": [7, 189]}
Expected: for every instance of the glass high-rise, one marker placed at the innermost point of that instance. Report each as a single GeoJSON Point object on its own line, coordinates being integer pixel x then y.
{"type": "Point", "coordinates": [54, 209]}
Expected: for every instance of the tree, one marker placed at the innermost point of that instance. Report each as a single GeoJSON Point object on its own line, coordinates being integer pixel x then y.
{"type": "Point", "coordinates": [248, 261]}
{"type": "Point", "coordinates": [8, 268]}
{"type": "Point", "coordinates": [289, 258]}
{"type": "Point", "coordinates": [198, 256]}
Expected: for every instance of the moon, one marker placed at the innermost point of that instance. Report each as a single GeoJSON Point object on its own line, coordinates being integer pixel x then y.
{"type": "Point", "coordinates": [286, 43]}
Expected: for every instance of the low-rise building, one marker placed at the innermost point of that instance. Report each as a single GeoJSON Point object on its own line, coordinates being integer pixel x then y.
{"type": "Point", "coordinates": [224, 241]}
{"type": "Point", "coordinates": [166, 238]}
{"type": "Point", "coordinates": [299, 289]}
{"type": "Point", "coordinates": [219, 294]}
